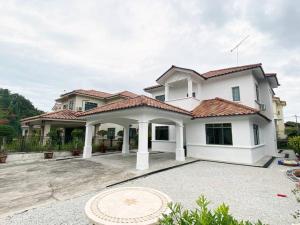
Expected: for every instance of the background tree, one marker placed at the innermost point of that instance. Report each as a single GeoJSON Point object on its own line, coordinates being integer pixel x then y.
{"type": "Point", "coordinates": [14, 107]}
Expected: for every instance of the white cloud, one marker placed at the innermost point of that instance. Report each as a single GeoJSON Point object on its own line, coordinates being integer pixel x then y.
{"type": "Point", "coordinates": [116, 45]}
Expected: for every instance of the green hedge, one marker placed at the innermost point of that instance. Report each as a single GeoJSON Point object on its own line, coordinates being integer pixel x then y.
{"type": "Point", "coordinates": [294, 143]}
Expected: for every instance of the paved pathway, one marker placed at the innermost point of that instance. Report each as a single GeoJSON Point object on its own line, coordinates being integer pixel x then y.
{"type": "Point", "coordinates": [31, 184]}
{"type": "Point", "coordinates": [250, 192]}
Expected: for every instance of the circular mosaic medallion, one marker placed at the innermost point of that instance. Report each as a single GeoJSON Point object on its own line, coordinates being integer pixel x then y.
{"type": "Point", "coordinates": [127, 205]}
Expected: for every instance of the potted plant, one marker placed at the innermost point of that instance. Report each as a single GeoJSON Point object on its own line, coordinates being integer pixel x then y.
{"type": "Point", "coordinates": [3, 156]}
{"type": "Point", "coordinates": [48, 154]}
{"type": "Point", "coordinates": [77, 135]}
{"type": "Point", "coordinates": [102, 148]}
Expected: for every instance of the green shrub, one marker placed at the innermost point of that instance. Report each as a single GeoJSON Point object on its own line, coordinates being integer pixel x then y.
{"type": "Point", "coordinates": [201, 215]}
{"type": "Point", "coordinates": [294, 143]}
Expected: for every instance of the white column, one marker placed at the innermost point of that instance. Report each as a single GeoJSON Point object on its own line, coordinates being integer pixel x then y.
{"type": "Point", "coordinates": [87, 150]}
{"type": "Point", "coordinates": [190, 88]}
{"type": "Point", "coordinates": [125, 146]}
{"type": "Point", "coordinates": [166, 92]}
{"type": "Point", "coordinates": [142, 160]}
{"type": "Point", "coordinates": [179, 143]}
{"type": "Point", "coordinates": [24, 129]}
{"type": "Point", "coordinates": [46, 129]}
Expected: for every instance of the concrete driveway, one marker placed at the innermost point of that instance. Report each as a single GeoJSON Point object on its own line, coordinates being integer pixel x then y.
{"type": "Point", "coordinates": [28, 185]}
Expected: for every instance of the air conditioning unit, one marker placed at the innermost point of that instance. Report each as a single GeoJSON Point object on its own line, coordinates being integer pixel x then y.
{"type": "Point", "coordinates": [262, 107]}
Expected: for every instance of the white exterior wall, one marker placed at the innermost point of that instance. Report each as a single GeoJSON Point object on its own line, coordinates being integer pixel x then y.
{"type": "Point", "coordinates": [243, 149]}
{"type": "Point", "coordinates": [222, 87]}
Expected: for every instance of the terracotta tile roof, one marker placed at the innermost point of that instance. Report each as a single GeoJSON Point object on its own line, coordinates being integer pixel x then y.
{"type": "Point", "coordinates": [221, 107]}
{"type": "Point", "coordinates": [92, 93]}
{"type": "Point", "coordinates": [127, 94]}
{"type": "Point", "coordinates": [225, 71]}
{"type": "Point", "coordinates": [153, 87]}
{"type": "Point", "coordinates": [138, 101]}
{"type": "Point", "coordinates": [181, 68]}
{"type": "Point", "coordinates": [62, 114]}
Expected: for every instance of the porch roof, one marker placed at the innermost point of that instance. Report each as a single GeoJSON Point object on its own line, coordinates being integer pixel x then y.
{"type": "Point", "coordinates": [57, 115]}
{"type": "Point", "coordinates": [220, 107]}
{"type": "Point", "coordinates": [139, 101]}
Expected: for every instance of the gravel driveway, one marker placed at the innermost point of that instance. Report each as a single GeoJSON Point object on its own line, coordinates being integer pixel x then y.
{"type": "Point", "coordinates": [250, 192]}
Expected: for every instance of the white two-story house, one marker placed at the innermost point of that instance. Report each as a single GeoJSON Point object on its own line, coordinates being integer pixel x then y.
{"type": "Point", "coordinates": [221, 115]}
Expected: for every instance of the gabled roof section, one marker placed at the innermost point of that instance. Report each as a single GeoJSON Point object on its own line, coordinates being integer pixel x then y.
{"type": "Point", "coordinates": [153, 87]}
{"type": "Point", "coordinates": [178, 68]}
{"type": "Point", "coordinates": [98, 94]}
{"type": "Point", "coordinates": [126, 94]}
{"type": "Point", "coordinates": [90, 93]}
{"type": "Point", "coordinates": [225, 71]}
{"type": "Point", "coordinates": [139, 101]}
{"type": "Point", "coordinates": [58, 115]}
{"type": "Point", "coordinates": [220, 107]}
{"type": "Point", "coordinates": [272, 77]}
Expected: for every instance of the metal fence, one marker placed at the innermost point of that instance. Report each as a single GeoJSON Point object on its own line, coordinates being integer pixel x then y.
{"type": "Point", "coordinates": [40, 143]}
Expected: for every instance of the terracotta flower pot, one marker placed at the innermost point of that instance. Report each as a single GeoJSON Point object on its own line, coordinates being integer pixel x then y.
{"type": "Point", "coordinates": [297, 172]}
{"type": "Point", "coordinates": [76, 152]}
{"type": "Point", "coordinates": [3, 158]}
{"type": "Point", "coordinates": [48, 155]}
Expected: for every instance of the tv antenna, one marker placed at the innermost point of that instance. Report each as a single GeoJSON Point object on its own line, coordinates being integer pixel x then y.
{"type": "Point", "coordinates": [237, 48]}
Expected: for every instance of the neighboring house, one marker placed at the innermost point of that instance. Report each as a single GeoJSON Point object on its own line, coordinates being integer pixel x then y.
{"type": "Point", "coordinates": [278, 117]}
{"type": "Point", "coordinates": [65, 113]}
{"type": "Point", "coordinates": [224, 115]}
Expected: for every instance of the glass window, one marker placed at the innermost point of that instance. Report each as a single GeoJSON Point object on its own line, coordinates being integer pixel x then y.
{"type": "Point", "coordinates": [257, 92]}
{"type": "Point", "coordinates": [65, 106]}
{"type": "Point", "coordinates": [90, 105]}
{"type": "Point", "coordinates": [236, 94]}
{"type": "Point", "coordinates": [218, 134]}
{"type": "Point", "coordinates": [71, 105]}
{"type": "Point", "coordinates": [162, 133]}
{"type": "Point", "coordinates": [194, 94]}
{"type": "Point", "coordinates": [160, 98]}
{"type": "Point", "coordinates": [111, 133]}
{"type": "Point", "coordinates": [256, 134]}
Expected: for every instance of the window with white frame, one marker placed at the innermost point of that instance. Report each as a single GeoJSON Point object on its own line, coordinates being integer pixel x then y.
{"type": "Point", "coordinates": [90, 105]}
{"type": "Point", "coordinates": [236, 93]}
{"type": "Point", "coordinates": [256, 134]}
{"type": "Point", "coordinates": [162, 133]}
{"type": "Point", "coordinates": [160, 98]}
{"type": "Point", "coordinates": [71, 104]}
{"type": "Point", "coordinates": [218, 134]}
{"type": "Point", "coordinates": [257, 92]}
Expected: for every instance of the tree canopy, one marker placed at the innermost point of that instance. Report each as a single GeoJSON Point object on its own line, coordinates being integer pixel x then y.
{"type": "Point", "coordinates": [14, 107]}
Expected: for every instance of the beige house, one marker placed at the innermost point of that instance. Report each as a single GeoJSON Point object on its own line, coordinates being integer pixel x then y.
{"type": "Point", "coordinates": [65, 114]}
{"type": "Point", "coordinates": [278, 117]}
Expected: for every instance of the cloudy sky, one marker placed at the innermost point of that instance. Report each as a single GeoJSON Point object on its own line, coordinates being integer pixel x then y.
{"type": "Point", "coordinates": [47, 47]}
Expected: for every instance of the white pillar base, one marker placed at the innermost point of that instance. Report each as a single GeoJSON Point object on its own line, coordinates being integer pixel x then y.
{"type": "Point", "coordinates": [87, 152]}
{"type": "Point", "coordinates": [180, 154]}
{"type": "Point", "coordinates": [142, 160]}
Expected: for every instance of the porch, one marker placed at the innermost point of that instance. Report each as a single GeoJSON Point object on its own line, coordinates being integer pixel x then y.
{"type": "Point", "coordinates": [142, 112]}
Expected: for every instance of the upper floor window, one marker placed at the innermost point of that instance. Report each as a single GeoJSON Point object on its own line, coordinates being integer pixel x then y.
{"type": "Point", "coordinates": [218, 134]}
{"type": "Point", "coordinates": [236, 94]}
{"type": "Point", "coordinates": [257, 92]}
{"type": "Point", "coordinates": [65, 106]}
{"type": "Point", "coordinates": [160, 97]}
{"type": "Point", "coordinates": [90, 105]}
{"type": "Point", "coordinates": [194, 94]}
{"type": "Point", "coordinates": [71, 104]}
{"type": "Point", "coordinates": [256, 134]}
{"type": "Point", "coordinates": [162, 133]}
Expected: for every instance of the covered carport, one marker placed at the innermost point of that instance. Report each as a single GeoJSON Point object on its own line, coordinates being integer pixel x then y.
{"type": "Point", "coordinates": [140, 110]}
